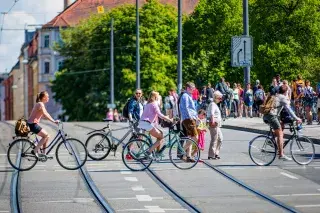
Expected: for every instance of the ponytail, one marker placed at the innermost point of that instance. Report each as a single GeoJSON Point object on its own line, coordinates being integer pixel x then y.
{"type": "Point", "coordinates": [40, 96]}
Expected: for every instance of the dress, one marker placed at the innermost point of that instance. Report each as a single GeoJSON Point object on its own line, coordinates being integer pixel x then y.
{"type": "Point", "coordinates": [201, 134]}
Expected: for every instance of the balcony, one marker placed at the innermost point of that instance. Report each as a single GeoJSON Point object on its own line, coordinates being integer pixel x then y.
{"type": "Point", "coordinates": [44, 78]}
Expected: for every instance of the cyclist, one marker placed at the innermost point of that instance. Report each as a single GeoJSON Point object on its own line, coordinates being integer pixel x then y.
{"type": "Point", "coordinates": [37, 112]}
{"type": "Point", "coordinates": [272, 118]}
{"type": "Point", "coordinates": [149, 120]}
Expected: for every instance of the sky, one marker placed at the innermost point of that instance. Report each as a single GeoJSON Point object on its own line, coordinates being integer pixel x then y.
{"type": "Point", "coordinates": [23, 12]}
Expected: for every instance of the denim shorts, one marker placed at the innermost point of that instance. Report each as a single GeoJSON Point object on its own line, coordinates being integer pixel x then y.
{"type": "Point", "coordinates": [34, 127]}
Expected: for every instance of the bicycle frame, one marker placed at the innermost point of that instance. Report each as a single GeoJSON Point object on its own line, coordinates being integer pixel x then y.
{"type": "Point", "coordinates": [60, 135]}
{"type": "Point", "coordinates": [285, 142]}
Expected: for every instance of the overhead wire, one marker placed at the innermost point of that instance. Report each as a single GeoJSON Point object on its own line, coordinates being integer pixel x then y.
{"type": "Point", "coordinates": [5, 13]}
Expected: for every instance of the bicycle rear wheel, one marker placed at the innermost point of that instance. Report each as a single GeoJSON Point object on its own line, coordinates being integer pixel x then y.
{"type": "Point", "coordinates": [134, 155]}
{"type": "Point", "coordinates": [98, 146]}
{"type": "Point", "coordinates": [71, 154]}
{"type": "Point", "coordinates": [262, 150]}
{"type": "Point", "coordinates": [181, 158]}
{"type": "Point", "coordinates": [19, 155]}
{"type": "Point", "coordinates": [302, 150]}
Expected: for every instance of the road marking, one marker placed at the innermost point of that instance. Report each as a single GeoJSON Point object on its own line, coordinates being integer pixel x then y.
{"type": "Point", "coordinates": [131, 179]}
{"type": "Point", "coordinates": [140, 210]}
{"type": "Point", "coordinates": [289, 195]}
{"type": "Point", "coordinates": [126, 172]}
{"type": "Point", "coordinates": [154, 209]}
{"type": "Point", "coordinates": [83, 200]}
{"type": "Point", "coordinates": [134, 198]}
{"type": "Point", "coordinates": [137, 188]}
{"type": "Point", "coordinates": [233, 168]}
{"type": "Point", "coordinates": [288, 175]}
{"type": "Point", "coordinates": [4, 211]}
{"type": "Point", "coordinates": [142, 198]}
{"type": "Point", "coordinates": [308, 206]}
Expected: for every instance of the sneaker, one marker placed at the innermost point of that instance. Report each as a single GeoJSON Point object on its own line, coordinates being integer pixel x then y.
{"type": "Point", "coordinates": [190, 160]}
{"type": "Point", "coordinates": [285, 158]}
{"type": "Point", "coordinates": [128, 157]}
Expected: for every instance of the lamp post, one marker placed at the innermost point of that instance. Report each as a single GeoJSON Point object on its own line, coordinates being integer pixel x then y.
{"type": "Point", "coordinates": [179, 68]}
{"type": "Point", "coordinates": [112, 66]}
{"type": "Point", "coordinates": [246, 33]}
{"type": "Point", "coordinates": [137, 47]}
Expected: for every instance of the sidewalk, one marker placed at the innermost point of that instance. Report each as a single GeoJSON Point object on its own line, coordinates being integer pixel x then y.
{"type": "Point", "coordinates": [256, 125]}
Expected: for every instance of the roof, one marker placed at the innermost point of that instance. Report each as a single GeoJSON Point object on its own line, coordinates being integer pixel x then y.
{"type": "Point", "coordinates": [82, 9]}
{"type": "Point", "coordinates": [16, 66]}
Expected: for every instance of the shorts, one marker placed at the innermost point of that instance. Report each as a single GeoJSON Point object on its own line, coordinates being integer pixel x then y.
{"type": "Point", "coordinates": [34, 127]}
{"type": "Point", "coordinates": [308, 103]}
{"type": "Point", "coordinates": [272, 120]}
{"type": "Point", "coordinates": [190, 126]}
{"type": "Point", "coordinates": [145, 125]}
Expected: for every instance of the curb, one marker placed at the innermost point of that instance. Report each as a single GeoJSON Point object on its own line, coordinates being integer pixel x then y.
{"type": "Point", "coordinates": [260, 131]}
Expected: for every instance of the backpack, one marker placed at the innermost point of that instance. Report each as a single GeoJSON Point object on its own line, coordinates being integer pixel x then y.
{"type": "Point", "coordinates": [259, 95]}
{"type": "Point", "coordinates": [268, 105]}
{"type": "Point", "coordinates": [125, 110]}
{"type": "Point", "coordinates": [21, 127]}
{"type": "Point", "coordinates": [299, 89]}
{"type": "Point", "coordinates": [308, 94]}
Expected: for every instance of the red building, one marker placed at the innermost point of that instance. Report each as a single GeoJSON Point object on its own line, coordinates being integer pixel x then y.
{"type": "Point", "coordinates": [8, 98]}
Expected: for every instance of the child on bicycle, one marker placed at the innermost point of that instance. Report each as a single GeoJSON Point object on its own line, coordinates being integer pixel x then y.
{"type": "Point", "coordinates": [37, 112]}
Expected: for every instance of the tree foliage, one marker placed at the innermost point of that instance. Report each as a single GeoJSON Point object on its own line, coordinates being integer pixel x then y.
{"type": "Point", "coordinates": [84, 95]}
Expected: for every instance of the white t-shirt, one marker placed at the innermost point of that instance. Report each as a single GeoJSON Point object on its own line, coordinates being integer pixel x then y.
{"type": "Point", "coordinates": [214, 110]}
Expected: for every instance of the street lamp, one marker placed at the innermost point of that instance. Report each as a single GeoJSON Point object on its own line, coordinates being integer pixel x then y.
{"type": "Point", "coordinates": [179, 67]}
{"type": "Point", "coordinates": [246, 33]}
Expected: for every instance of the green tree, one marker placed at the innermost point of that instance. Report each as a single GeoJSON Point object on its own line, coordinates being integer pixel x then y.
{"type": "Point", "coordinates": [286, 38]}
{"type": "Point", "coordinates": [207, 41]}
{"type": "Point", "coordinates": [84, 95]}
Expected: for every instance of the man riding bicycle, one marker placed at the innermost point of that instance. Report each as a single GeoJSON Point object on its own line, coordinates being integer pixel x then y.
{"type": "Point", "coordinates": [280, 103]}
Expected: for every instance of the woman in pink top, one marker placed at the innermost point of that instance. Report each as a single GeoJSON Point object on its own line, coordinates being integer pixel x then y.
{"type": "Point", "coordinates": [149, 119]}
{"type": "Point", "coordinates": [37, 112]}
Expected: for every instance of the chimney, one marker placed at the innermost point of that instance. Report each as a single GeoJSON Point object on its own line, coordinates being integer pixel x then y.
{"type": "Point", "coordinates": [66, 3]}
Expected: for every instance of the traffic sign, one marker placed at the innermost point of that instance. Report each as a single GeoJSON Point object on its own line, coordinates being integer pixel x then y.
{"type": "Point", "coordinates": [111, 106]}
{"type": "Point", "coordinates": [241, 51]}
{"type": "Point", "coordinates": [100, 9]}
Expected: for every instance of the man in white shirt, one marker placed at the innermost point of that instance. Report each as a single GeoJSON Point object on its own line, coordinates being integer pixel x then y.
{"type": "Point", "coordinates": [215, 123]}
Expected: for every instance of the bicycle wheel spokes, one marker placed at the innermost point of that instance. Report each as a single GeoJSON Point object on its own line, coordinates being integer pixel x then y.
{"type": "Point", "coordinates": [302, 150]}
{"type": "Point", "coordinates": [71, 154]}
{"type": "Point", "coordinates": [184, 154]}
{"type": "Point", "coordinates": [98, 146]}
{"type": "Point", "coordinates": [19, 155]}
{"type": "Point", "coordinates": [134, 155]}
{"type": "Point", "coordinates": [262, 151]}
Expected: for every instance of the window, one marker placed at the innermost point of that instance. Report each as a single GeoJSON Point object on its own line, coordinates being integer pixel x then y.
{"type": "Point", "coordinates": [60, 64]}
{"type": "Point", "coordinates": [46, 67]}
{"type": "Point", "coordinates": [46, 41]}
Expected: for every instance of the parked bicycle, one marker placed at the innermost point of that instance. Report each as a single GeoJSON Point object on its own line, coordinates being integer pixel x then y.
{"type": "Point", "coordinates": [71, 153]}
{"type": "Point", "coordinates": [177, 145]}
{"type": "Point", "coordinates": [101, 141]}
{"type": "Point", "coordinates": [263, 148]}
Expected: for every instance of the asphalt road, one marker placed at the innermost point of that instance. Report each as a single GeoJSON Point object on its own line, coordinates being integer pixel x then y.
{"type": "Point", "coordinates": [51, 188]}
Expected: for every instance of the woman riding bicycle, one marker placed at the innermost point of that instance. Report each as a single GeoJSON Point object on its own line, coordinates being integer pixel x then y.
{"type": "Point", "coordinates": [149, 120]}
{"type": "Point", "coordinates": [37, 112]}
{"type": "Point", "coordinates": [272, 118]}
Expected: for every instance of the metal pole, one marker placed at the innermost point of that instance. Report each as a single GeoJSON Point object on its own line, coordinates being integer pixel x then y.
{"type": "Point", "coordinates": [246, 33]}
{"type": "Point", "coordinates": [112, 65]}
{"type": "Point", "coordinates": [179, 46]}
{"type": "Point", "coordinates": [137, 47]}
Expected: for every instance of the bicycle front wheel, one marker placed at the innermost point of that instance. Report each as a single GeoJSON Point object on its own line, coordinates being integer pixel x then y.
{"type": "Point", "coordinates": [302, 150]}
{"type": "Point", "coordinates": [19, 155]}
{"type": "Point", "coordinates": [184, 153]}
{"type": "Point", "coordinates": [98, 146]}
{"type": "Point", "coordinates": [71, 154]}
{"type": "Point", "coordinates": [134, 155]}
{"type": "Point", "coordinates": [262, 150]}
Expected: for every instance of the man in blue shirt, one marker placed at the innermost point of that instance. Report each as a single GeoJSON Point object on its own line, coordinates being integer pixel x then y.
{"type": "Point", "coordinates": [135, 107]}
{"type": "Point", "coordinates": [188, 114]}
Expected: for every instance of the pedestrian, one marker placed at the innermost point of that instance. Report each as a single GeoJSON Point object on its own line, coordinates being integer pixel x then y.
{"type": "Point", "coordinates": [110, 114]}
{"type": "Point", "coordinates": [116, 116]}
{"type": "Point", "coordinates": [189, 116]}
{"type": "Point", "coordinates": [318, 102]}
{"type": "Point", "coordinates": [259, 97]}
{"type": "Point", "coordinates": [255, 106]}
{"type": "Point", "coordinates": [308, 101]}
{"type": "Point", "coordinates": [209, 92]}
{"type": "Point", "coordinates": [274, 88]}
{"type": "Point", "coordinates": [248, 101]}
{"type": "Point", "coordinates": [289, 92]}
{"type": "Point", "coordinates": [135, 108]}
{"type": "Point", "coordinates": [202, 128]}
{"type": "Point", "coordinates": [168, 106]}
{"type": "Point", "coordinates": [241, 100]}
{"type": "Point", "coordinates": [215, 122]}
{"type": "Point", "coordinates": [195, 97]}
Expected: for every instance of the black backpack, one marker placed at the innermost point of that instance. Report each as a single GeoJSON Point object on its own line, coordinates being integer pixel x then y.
{"type": "Point", "coordinates": [125, 110]}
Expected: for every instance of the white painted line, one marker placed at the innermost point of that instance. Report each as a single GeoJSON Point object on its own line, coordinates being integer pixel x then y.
{"type": "Point", "coordinates": [137, 188]}
{"type": "Point", "coordinates": [131, 179]}
{"type": "Point", "coordinates": [4, 211]}
{"type": "Point", "coordinates": [291, 195]}
{"type": "Point", "coordinates": [288, 175]}
{"type": "Point", "coordinates": [140, 210]}
{"type": "Point", "coordinates": [307, 206]}
{"type": "Point", "coordinates": [133, 198]}
{"type": "Point", "coordinates": [83, 200]}
{"type": "Point", "coordinates": [126, 172]}
{"type": "Point", "coordinates": [142, 198]}
{"type": "Point", "coordinates": [154, 209]}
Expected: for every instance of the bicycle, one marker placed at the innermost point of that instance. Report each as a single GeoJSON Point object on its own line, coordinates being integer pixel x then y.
{"type": "Point", "coordinates": [263, 148]}
{"type": "Point", "coordinates": [99, 144]}
{"type": "Point", "coordinates": [137, 148]}
{"type": "Point", "coordinates": [71, 154]}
